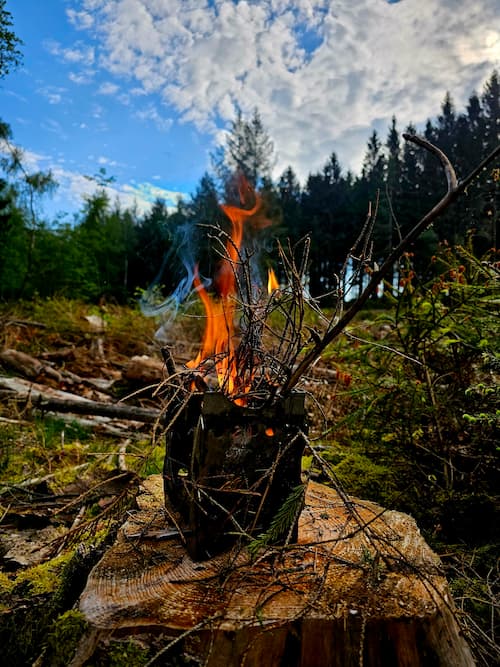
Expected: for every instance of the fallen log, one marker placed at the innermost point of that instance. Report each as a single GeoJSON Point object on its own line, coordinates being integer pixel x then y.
{"type": "Point", "coordinates": [33, 369]}
{"type": "Point", "coordinates": [112, 410]}
{"type": "Point", "coordinates": [27, 365]}
{"type": "Point", "coordinates": [360, 587]}
{"type": "Point", "coordinates": [54, 400]}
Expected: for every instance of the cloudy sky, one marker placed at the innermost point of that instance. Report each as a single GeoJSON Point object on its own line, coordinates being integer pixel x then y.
{"type": "Point", "coordinates": [145, 88]}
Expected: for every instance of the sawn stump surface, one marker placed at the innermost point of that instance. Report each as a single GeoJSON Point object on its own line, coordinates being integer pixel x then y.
{"type": "Point", "coordinates": [361, 586]}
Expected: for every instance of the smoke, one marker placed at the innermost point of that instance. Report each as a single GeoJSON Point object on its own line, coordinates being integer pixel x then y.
{"type": "Point", "coordinates": [178, 267]}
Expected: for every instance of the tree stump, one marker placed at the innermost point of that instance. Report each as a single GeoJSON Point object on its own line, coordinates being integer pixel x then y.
{"type": "Point", "coordinates": [360, 587]}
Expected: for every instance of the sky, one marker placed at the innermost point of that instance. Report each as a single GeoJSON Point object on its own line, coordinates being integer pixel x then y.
{"type": "Point", "coordinates": [146, 89]}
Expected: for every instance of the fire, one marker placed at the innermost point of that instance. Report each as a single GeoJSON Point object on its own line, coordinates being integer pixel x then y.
{"type": "Point", "coordinates": [272, 282]}
{"type": "Point", "coordinates": [218, 338]}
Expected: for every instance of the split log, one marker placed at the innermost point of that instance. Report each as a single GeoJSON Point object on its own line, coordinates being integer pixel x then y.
{"type": "Point", "coordinates": [360, 587]}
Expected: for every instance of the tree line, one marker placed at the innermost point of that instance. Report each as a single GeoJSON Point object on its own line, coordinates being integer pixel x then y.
{"type": "Point", "coordinates": [110, 251]}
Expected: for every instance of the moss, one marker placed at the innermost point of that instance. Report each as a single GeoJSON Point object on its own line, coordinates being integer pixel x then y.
{"type": "Point", "coordinates": [139, 651]}
{"type": "Point", "coordinates": [152, 463]}
{"type": "Point", "coordinates": [6, 584]}
{"type": "Point", "coordinates": [361, 477]}
{"type": "Point", "coordinates": [63, 638]}
{"type": "Point", "coordinates": [22, 632]}
{"type": "Point", "coordinates": [127, 654]}
{"type": "Point", "coordinates": [39, 595]}
{"type": "Point", "coordinates": [44, 578]}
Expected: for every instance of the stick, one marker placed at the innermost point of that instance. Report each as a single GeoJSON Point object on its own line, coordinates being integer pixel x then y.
{"type": "Point", "coordinates": [146, 415]}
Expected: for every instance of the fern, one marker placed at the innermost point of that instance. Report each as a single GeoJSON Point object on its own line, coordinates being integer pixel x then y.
{"type": "Point", "coordinates": [282, 522]}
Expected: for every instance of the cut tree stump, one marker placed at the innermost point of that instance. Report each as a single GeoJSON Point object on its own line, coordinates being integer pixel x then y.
{"type": "Point", "coordinates": [360, 587]}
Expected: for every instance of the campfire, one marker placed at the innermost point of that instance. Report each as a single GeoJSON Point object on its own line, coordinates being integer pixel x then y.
{"type": "Point", "coordinates": [235, 439]}
{"type": "Point", "coordinates": [236, 423]}
{"type": "Point", "coordinates": [247, 356]}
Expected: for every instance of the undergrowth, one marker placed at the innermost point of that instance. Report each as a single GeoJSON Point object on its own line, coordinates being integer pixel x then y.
{"type": "Point", "coordinates": [411, 420]}
{"type": "Point", "coordinates": [417, 428]}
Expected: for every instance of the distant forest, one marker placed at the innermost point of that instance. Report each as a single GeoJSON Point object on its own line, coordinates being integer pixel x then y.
{"type": "Point", "coordinates": [112, 252]}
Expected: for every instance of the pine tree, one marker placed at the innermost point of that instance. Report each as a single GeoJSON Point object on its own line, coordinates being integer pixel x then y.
{"type": "Point", "coordinates": [491, 105]}
{"type": "Point", "coordinates": [371, 188]}
{"type": "Point", "coordinates": [393, 177]}
{"type": "Point", "coordinates": [248, 150]}
{"type": "Point", "coordinates": [29, 188]}
{"type": "Point", "coordinates": [289, 193]}
{"type": "Point", "coordinates": [13, 243]}
{"type": "Point", "coordinates": [327, 216]}
{"type": "Point", "coordinates": [203, 212]}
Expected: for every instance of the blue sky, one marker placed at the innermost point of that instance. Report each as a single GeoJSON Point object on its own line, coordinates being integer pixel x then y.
{"type": "Point", "coordinates": [146, 88]}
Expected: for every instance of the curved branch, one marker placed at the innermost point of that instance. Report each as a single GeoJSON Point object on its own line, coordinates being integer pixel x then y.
{"type": "Point", "coordinates": [454, 190]}
{"type": "Point", "coordinates": [451, 177]}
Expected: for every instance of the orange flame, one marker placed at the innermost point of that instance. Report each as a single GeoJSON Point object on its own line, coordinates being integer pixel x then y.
{"type": "Point", "coordinates": [272, 282]}
{"type": "Point", "coordinates": [218, 338]}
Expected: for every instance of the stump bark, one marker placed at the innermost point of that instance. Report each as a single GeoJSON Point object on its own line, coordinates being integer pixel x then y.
{"type": "Point", "coordinates": [360, 587]}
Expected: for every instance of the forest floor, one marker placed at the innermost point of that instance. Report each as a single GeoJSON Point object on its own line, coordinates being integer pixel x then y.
{"type": "Point", "coordinates": [67, 478]}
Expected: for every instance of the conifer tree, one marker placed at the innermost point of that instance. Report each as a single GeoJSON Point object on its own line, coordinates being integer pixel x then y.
{"type": "Point", "coordinates": [491, 106]}
{"type": "Point", "coordinates": [248, 150]}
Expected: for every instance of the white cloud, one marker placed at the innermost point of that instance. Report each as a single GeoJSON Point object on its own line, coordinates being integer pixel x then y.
{"type": "Point", "coordinates": [79, 53]}
{"type": "Point", "coordinates": [53, 94]}
{"type": "Point", "coordinates": [73, 187]}
{"type": "Point", "coordinates": [108, 88]}
{"type": "Point", "coordinates": [31, 160]}
{"type": "Point", "coordinates": [76, 188]}
{"type": "Point", "coordinates": [52, 125]}
{"type": "Point", "coordinates": [97, 111]}
{"type": "Point", "coordinates": [144, 194]}
{"type": "Point", "coordinates": [151, 113]}
{"type": "Point", "coordinates": [81, 20]}
{"type": "Point", "coordinates": [107, 161]}
{"type": "Point", "coordinates": [81, 78]}
{"type": "Point", "coordinates": [321, 72]}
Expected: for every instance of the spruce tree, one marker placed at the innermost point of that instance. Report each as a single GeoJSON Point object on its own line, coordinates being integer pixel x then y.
{"type": "Point", "coordinates": [491, 105]}
{"type": "Point", "coordinates": [248, 150]}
